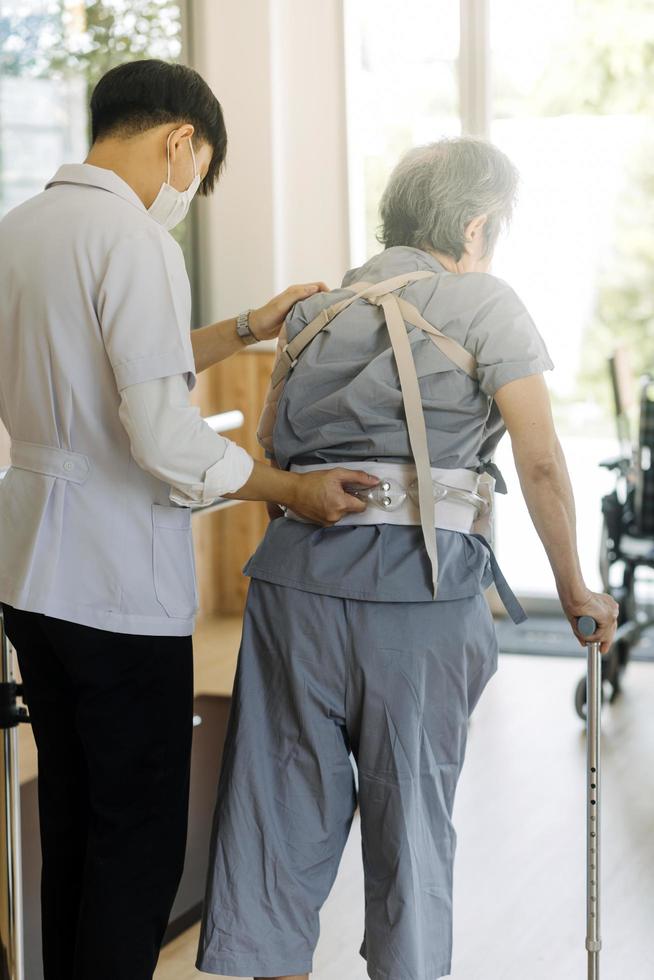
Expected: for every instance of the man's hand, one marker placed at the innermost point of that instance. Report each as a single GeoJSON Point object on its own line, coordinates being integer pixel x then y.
{"type": "Point", "coordinates": [320, 495]}
{"type": "Point", "coordinates": [266, 321]}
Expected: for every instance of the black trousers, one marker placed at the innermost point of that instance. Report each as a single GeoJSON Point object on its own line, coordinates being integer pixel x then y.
{"type": "Point", "coordinates": [112, 716]}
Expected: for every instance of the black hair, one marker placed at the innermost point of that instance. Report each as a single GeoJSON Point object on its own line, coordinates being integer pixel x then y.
{"type": "Point", "coordinates": [139, 95]}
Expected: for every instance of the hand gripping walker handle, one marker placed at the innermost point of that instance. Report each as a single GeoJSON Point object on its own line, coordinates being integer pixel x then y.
{"type": "Point", "coordinates": [586, 625]}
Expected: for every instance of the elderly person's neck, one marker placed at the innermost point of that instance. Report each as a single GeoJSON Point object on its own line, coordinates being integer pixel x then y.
{"type": "Point", "coordinates": [469, 261]}
{"type": "Point", "coordinates": [475, 254]}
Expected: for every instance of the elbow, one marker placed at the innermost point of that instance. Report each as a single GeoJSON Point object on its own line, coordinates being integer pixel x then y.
{"type": "Point", "coordinates": [143, 457]}
{"type": "Point", "coordinates": [147, 453]}
{"type": "Point", "coordinates": [544, 467]}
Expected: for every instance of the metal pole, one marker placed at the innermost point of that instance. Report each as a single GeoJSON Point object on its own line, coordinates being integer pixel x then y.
{"type": "Point", "coordinates": [587, 627]}
{"type": "Point", "coordinates": [11, 894]}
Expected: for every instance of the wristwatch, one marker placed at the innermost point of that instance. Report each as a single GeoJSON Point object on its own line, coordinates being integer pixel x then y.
{"type": "Point", "coordinates": [243, 328]}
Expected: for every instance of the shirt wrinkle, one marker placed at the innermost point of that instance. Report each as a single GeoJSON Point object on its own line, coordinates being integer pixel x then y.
{"type": "Point", "coordinates": [338, 406]}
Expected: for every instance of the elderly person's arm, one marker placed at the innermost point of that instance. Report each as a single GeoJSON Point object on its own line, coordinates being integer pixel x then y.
{"type": "Point", "coordinates": [526, 410]}
{"type": "Point", "coordinates": [219, 341]}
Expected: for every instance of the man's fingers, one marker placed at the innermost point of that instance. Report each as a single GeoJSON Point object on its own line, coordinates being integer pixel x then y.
{"type": "Point", "coordinates": [306, 289]}
{"type": "Point", "coordinates": [352, 505]}
{"type": "Point", "coordinates": [354, 477]}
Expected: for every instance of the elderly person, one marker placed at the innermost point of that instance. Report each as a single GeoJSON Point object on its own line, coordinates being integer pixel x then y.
{"type": "Point", "coordinates": [358, 637]}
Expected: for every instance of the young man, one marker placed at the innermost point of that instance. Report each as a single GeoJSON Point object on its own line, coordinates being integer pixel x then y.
{"type": "Point", "coordinates": [96, 565]}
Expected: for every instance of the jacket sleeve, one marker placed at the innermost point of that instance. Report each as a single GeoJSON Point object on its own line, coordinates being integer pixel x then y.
{"type": "Point", "coordinates": [142, 306]}
{"type": "Point", "coordinates": [170, 439]}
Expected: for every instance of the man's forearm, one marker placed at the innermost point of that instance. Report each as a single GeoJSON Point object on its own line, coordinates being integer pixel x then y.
{"type": "Point", "coordinates": [214, 343]}
{"type": "Point", "coordinates": [548, 494]}
{"type": "Point", "coordinates": [270, 484]}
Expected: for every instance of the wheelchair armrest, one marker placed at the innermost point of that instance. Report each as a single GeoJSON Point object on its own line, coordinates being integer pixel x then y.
{"type": "Point", "coordinates": [622, 463]}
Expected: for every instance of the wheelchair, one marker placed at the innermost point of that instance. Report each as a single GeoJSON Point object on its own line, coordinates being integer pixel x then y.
{"type": "Point", "coordinates": [627, 536]}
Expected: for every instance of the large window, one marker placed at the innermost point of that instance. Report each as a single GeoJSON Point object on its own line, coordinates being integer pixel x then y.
{"type": "Point", "coordinates": [402, 88]}
{"type": "Point", "coordinates": [569, 109]}
{"type": "Point", "coordinates": [566, 96]}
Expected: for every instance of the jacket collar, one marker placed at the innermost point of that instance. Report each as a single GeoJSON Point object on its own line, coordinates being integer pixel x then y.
{"type": "Point", "coordinates": [393, 261]}
{"type": "Point", "coordinates": [91, 176]}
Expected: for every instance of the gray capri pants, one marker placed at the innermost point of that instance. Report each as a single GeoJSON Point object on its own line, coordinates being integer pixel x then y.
{"type": "Point", "coordinates": [319, 677]}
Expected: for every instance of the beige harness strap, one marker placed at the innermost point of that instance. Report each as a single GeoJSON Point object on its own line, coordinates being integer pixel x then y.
{"type": "Point", "coordinates": [398, 312]}
{"type": "Point", "coordinates": [447, 345]}
{"type": "Point", "coordinates": [415, 423]}
{"type": "Point", "coordinates": [361, 290]}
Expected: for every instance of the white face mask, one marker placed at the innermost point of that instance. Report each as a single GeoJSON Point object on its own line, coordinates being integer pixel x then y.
{"type": "Point", "coordinates": [170, 206]}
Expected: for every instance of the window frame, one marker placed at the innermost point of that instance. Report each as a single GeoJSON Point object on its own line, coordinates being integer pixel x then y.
{"type": "Point", "coordinates": [475, 113]}
{"type": "Point", "coordinates": [194, 273]}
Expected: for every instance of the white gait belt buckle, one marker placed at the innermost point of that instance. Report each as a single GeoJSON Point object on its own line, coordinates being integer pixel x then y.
{"type": "Point", "coordinates": [394, 500]}
{"type": "Point", "coordinates": [389, 495]}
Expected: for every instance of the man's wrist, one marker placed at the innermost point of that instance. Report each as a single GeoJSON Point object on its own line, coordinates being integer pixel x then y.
{"type": "Point", "coordinates": [289, 488]}
{"type": "Point", "coordinates": [244, 329]}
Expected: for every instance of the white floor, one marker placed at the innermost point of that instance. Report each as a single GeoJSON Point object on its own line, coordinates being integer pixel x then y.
{"type": "Point", "coordinates": [520, 818]}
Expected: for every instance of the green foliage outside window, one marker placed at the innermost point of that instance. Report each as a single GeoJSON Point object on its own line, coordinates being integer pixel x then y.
{"type": "Point", "coordinates": [59, 39]}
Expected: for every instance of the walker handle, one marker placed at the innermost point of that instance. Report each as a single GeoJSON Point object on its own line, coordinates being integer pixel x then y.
{"type": "Point", "coordinates": [586, 625]}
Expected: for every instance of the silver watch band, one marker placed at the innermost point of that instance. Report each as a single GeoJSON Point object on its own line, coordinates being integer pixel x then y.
{"type": "Point", "coordinates": [243, 328]}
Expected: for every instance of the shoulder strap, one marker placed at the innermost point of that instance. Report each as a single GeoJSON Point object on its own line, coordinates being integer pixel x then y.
{"type": "Point", "coordinates": [416, 426]}
{"type": "Point", "coordinates": [397, 313]}
{"type": "Point", "coordinates": [447, 345]}
{"type": "Point", "coordinates": [289, 353]}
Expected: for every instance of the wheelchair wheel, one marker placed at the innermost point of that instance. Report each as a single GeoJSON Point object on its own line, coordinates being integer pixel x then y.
{"type": "Point", "coordinates": [581, 694]}
{"type": "Point", "coordinates": [612, 670]}
{"type": "Point", "coordinates": [581, 697]}
{"type": "Point", "coordinates": [607, 555]}
{"type": "Point", "coordinates": [615, 668]}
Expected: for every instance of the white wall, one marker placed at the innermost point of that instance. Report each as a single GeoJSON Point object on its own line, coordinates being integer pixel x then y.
{"type": "Point", "coordinates": [280, 212]}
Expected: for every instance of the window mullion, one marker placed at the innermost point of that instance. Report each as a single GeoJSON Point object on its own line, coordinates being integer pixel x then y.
{"type": "Point", "coordinates": [474, 67]}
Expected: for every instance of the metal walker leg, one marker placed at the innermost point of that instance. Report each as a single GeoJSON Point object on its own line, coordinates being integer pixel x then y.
{"type": "Point", "coordinates": [587, 626]}
{"type": "Point", "coordinates": [11, 891]}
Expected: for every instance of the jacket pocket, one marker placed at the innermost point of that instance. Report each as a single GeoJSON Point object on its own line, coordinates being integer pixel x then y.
{"type": "Point", "coordinates": [173, 560]}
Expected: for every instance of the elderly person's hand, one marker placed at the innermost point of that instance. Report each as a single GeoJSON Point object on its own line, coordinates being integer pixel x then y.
{"type": "Point", "coordinates": [266, 321]}
{"type": "Point", "coordinates": [603, 609]}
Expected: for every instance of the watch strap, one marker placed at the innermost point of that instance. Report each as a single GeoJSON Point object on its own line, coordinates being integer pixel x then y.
{"type": "Point", "coordinates": [243, 328]}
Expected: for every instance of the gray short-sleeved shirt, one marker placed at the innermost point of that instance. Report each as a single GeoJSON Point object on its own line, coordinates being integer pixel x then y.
{"type": "Point", "coordinates": [342, 401]}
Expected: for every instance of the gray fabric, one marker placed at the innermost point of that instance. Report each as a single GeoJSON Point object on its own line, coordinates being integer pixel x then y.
{"type": "Point", "coordinates": [316, 678]}
{"type": "Point", "coordinates": [342, 401]}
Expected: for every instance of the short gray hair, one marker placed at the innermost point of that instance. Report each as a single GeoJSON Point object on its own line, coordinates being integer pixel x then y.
{"type": "Point", "coordinates": [436, 190]}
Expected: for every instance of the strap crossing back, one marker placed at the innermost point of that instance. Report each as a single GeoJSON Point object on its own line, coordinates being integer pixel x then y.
{"type": "Point", "coordinates": [397, 312]}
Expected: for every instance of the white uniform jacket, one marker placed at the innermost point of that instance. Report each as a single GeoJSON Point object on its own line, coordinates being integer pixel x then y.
{"type": "Point", "coordinates": [95, 299]}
